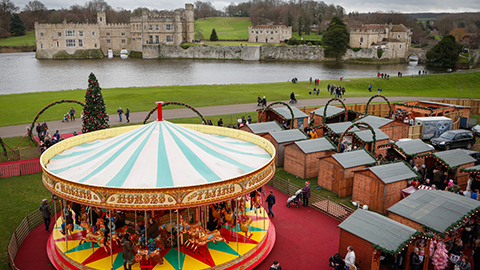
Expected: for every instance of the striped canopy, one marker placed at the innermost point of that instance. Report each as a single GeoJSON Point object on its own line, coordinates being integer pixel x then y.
{"type": "Point", "coordinates": [158, 155]}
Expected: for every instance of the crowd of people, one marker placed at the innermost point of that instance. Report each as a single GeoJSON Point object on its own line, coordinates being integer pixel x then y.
{"type": "Point", "coordinates": [338, 91]}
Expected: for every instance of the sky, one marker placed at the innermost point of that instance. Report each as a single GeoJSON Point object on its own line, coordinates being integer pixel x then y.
{"type": "Point", "coordinates": [403, 6]}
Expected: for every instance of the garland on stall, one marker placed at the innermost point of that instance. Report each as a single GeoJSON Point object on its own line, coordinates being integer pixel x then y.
{"type": "Point", "coordinates": [356, 125]}
{"type": "Point", "coordinates": [402, 246]}
{"type": "Point", "coordinates": [393, 145]}
{"type": "Point", "coordinates": [274, 103]}
{"type": "Point", "coordinates": [326, 106]}
{"type": "Point", "coordinates": [441, 161]}
{"type": "Point", "coordinates": [32, 126]}
{"type": "Point", "coordinates": [470, 170]}
{"type": "Point", "coordinates": [414, 106]}
{"type": "Point", "coordinates": [388, 102]}
{"type": "Point", "coordinates": [175, 103]}
{"type": "Point", "coordinates": [455, 225]}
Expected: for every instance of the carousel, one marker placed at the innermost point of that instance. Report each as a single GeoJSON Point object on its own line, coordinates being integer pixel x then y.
{"type": "Point", "coordinates": [184, 196]}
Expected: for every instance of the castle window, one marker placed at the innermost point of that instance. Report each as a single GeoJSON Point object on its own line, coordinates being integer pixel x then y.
{"type": "Point", "coordinates": [80, 43]}
{"type": "Point", "coordinates": [58, 44]}
{"type": "Point", "coordinates": [169, 38]}
{"type": "Point", "coordinates": [41, 46]}
{"type": "Point", "coordinates": [70, 42]}
{"type": "Point", "coordinates": [95, 45]}
{"type": "Point", "coordinates": [123, 41]}
{"type": "Point", "coordinates": [256, 32]}
{"type": "Point", "coordinates": [398, 36]}
{"type": "Point", "coordinates": [108, 41]}
{"type": "Point", "coordinates": [252, 32]}
{"type": "Point", "coordinates": [59, 34]}
{"type": "Point", "coordinates": [133, 27]}
{"type": "Point", "coordinates": [80, 33]}
{"type": "Point", "coordinates": [261, 32]}
{"type": "Point", "coordinates": [400, 46]}
{"type": "Point", "coordinates": [100, 18]}
{"type": "Point", "coordinates": [108, 34]}
{"type": "Point", "coordinates": [150, 39]}
{"type": "Point", "coordinates": [41, 34]}
{"type": "Point", "coordinates": [361, 39]}
{"type": "Point", "coordinates": [93, 34]}
{"type": "Point", "coordinates": [150, 27]}
{"type": "Point", "coordinates": [137, 26]}
{"type": "Point", "coordinates": [69, 33]}
{"type": "Point", "coordinates": [157, 39]}
{"type": "Point", "coordinates": [276, 32]}
{"type": "Point", "coordinates": [133, 39]}
{"type": "Point", "coordinates": [168, 26]}
{"type": "Point", "coordinates": [123, 34]}
{"type": "Point", "coordinates": [156, 27]}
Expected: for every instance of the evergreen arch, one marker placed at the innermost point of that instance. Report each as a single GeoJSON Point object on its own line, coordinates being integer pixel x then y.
{"type": "Point", "coordinates": [175, 103]}
{"type": "Point", "coordinates": [326, 106]}
{"type": "Point", "coordinates": [356, 125]}
{"type": "Point", "coordinates": [274, 103]}
{"type": "Point", "coordinates": [385, 98]}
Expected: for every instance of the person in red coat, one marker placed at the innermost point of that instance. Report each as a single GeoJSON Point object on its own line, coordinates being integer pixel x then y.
{"type": "Point", "coordinates": [306, 193]}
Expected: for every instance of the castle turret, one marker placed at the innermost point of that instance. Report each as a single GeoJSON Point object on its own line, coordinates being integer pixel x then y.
{"type": "Point", "coordinates": [101, 19]}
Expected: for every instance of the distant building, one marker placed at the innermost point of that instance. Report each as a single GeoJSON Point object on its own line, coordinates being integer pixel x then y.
{"type": "Point", "coordinates": [394, 40]}
{"type": "Point", "coordinates": [269, 33]}
{"type": "Point", "coordinates": [87, 40]}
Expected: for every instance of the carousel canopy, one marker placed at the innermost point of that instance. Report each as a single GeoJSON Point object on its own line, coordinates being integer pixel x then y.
{"type": "Point", "coordinates": [378, 230]}
{"type": "Point", "coordinates": [354, 158]}
{"type": "Point", "coordinates": [436, 209]}
{"type": "Point", "coordinates": [454, 158]}
{"type": "Point", "coordinates": [339, 128]}
{"type": "Point", "coordinates": [331, 111]}
{"type": "Point", "coordinates": [367, 136]}
{"type": "Point", "coordinates": [288, 135]}
{"type": "Point", "coordinates": [374, 121]}
{"type": "Point", "coordinates": [412, 147]}
{"type": "Point", "coordinates": [158, 155]}
{"type": "Point", "coordinates": [264, 127]}
{"type": "Point", "coordinates": [393, 172]}
{"type": "Point", "coordinates": [315, 145]}
{"type": "Point", "coordinates": [285, 112]}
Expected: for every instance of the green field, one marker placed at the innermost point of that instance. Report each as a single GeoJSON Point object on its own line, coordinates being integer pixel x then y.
{"type": "Point", "coordinates": [26, 40]}
{"type": "Point", "coordinates": [226, 27]}
{"type": "Point", "coordinates": [140, 98]}
{"type": "Point", "coordinates": [312, 36]}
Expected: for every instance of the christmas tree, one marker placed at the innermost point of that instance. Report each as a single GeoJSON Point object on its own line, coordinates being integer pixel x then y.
{"type": "Point", "coordinates": [95, 115]}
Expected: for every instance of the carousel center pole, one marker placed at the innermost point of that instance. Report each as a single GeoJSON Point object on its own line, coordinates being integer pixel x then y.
{"type": "Point", "coordinates": [178, 240]}
{"type": "Point", "coordinates": [111, 234]}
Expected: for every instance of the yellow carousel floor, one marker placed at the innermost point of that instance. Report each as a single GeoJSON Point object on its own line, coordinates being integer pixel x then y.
{"type": "Point", "coordinates": [215, 256]}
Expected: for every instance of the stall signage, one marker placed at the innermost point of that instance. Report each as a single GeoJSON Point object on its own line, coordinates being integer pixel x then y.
{"type": "Point", "coordinates": [260, 178]}
{"type": "Point", "coordinates": [213, 193]}
{"type": "Point", "coordinates": [76, 193]}
{"type": "Point", "coordinates": [146, 199]}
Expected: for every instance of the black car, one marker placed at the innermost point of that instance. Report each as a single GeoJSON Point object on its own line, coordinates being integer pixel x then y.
{"type": "Point", "coordinates": [458, 138]}
{"type": "Point", "coordinates": [474, 154]}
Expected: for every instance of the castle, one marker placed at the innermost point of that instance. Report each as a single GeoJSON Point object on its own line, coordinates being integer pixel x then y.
{"type": "Point", "coordinates": [394, 40]}
{"type": "Point", "coordinates": [269, 33]}
{"type": "Point", "coordinates": [85, 40]}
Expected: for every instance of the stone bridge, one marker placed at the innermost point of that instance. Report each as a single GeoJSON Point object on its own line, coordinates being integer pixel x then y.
{"type": "Point", "coordinates": [421, 54]}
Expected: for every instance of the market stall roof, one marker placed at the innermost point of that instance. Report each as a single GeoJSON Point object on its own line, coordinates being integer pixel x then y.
{"type": "Point", "coordinates": [285, 112]}
{"type": "Point", "coordinates": [374, 121]}
{"type": "Point", "coordinates": [264, 127]}
{"type": "Point", "coordinates": [444, 104]}
{"type": "Point", "coordinates": [367, 136]}
{"type": "Point", "coordinates": [339, 128]}
{"type": "Point", "coordinates": [471, 169]}
{"type": "Point", "coordinates": [331, 111]}
{"type": "Point", "coordinates": [436, 209]}
{"type": "Point", "coordinates": [354, 158]}
{"type": "Point", "coordinates": [393, 172]}
{"type": "Point", "coordinates": [377, 229]}
{"type": "Point", "coordinates": [315, 145]}
{"type": "Point", "coordinates": [158, 155]}
{"type": "Point", "coordinates": [289, 135]}
{"type": "Point", "coordinates": [412, 147]}
{"type": "Point", "coordinates": [454, 158]}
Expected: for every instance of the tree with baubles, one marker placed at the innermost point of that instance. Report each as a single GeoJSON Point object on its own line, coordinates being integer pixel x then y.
{"type": "Point", "coordinates": [95, 115]}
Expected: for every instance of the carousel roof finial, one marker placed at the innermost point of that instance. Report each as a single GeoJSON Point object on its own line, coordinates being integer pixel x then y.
{"type": "Point", "coordinates": [159, 110]}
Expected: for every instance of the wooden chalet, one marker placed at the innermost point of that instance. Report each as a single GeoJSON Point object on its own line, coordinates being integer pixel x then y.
{"type": "Point", "coordinates": [422, 108]}
{"type": "Point", "coordinates": [280, 138]}
{"type": "Point", "coordinates": [335, 130]}
{"type": "Point", "coordinates": [282, 114]}
{"type": "Point", "coordinates": [262, 128]}
{"type": "Point", "coordinates": [334, 115]}
{"type": "Point", "coordinates": [301, 157]}
{"type": "Point", "coordinates": [364, 138]}
{"type": "Point", "coordinates": [336, 172]}
{"type": "Point", "coordinates": [373, 236]}
{"type": "Point", "coordinates": [453, 161]}
{"type": "Point", "coordinates": [409, 149]}
{"type": "Point", "coordinates": [395, 129]}
{"type": "Point", "coordinates": [438, 212]}
{"type": "Point", "coordinates": [381, 186]}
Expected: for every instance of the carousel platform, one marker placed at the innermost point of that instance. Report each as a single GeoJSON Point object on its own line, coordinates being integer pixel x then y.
{"type": "Point", "coordinates": [246, 255]}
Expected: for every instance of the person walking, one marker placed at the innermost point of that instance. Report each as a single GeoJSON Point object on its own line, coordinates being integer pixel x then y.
{"type": "Point", "coordinates": [72, 114]}
{"type": "Point", "coordinates": [127, 251]}
{"type": "Point", "coordinates": [220, 123]}
{"type": "Point", "coordinates": [415, 260]}
{"type": "Point", "coordinates": [306, 193]}
{"type": "Point", "coordinates": [349, 258]}
{"type": "Point", "coordinates": [276, 266]}
{"type": "Point", "coordinates": [127, 115]}
{"type": "Point", "coordinates": [46, 213]}
{"type": "Point", "coordinates": [120, 112]}
{"type": "Point", "coordinates": [270, 201]}
{"type": "Point", "coordinates": [370, 88]}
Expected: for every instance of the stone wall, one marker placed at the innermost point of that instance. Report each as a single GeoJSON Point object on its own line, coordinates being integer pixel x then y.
{"type": "Point", "coordinates": [474, 58]}
{"type": "Point", "coordinates": [291, 53]}
{"type": "Point", "coordinates": [203, 52]}
{"type": "Point", "coordinates": [367, 53]}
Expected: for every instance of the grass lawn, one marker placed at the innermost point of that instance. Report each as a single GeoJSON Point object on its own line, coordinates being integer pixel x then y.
{"type": "Point", "coordinates": [140, 98]}
{"type": "Point", "coordinates": [226, 28]}
{"type": "Point", "coordinates": [27, 40]}
{"type": "Point", "coordinates": [312, 36]}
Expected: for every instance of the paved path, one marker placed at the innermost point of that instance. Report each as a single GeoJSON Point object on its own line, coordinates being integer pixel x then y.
{"type": "Point", "coordinates": [138, 117]}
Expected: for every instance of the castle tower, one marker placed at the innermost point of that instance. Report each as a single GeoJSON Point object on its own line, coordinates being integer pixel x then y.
{"type": "Point", "coordinates": [101, 19]}
{"type": "Point", "coordinates": [189, 22]}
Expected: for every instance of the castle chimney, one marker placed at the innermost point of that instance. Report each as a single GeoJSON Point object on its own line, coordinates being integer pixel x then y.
{"type": "Point", "coordinates": [159, 110]}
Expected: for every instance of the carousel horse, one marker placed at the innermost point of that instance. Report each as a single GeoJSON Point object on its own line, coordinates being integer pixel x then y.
{"type": "Point", "coordinates": [229, 216]}
{"type": "Point", "coordinates": [242, 207]}
{"type": "Point", "coordinates": [93, 237]}
{"type": "Point", "coordinates": [245, 226]}
{"type": "Point", "coordinates": [216, 213]}
{"type": "Point", "coordinates": [142, 253]}
{"type": "Point", "coordinates": [257, 202]}
{"type": "Point", "coordinates": [207, 236]}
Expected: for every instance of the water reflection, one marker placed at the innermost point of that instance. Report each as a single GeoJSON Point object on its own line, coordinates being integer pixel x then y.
{"type": "Point", "coordinates": [22, 72]}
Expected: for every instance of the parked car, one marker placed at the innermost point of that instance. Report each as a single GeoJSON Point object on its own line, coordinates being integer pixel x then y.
{"type": "Point", "coordinates": [474, 154]}
{"type": "Point", "coordinates": [458, 138]}
{"type": "Point", "coordinates": [476, 129]}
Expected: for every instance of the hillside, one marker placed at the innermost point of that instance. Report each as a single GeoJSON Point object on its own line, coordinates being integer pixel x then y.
{"type": "Point", "coordinates": [226, 27]}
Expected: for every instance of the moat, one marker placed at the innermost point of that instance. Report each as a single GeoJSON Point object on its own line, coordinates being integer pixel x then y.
{"type": "Point", "coordinates": [22, 72]}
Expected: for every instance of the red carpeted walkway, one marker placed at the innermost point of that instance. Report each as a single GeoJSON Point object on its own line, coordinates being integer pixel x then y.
{"type": "Point", "coordinates": [306, 238]}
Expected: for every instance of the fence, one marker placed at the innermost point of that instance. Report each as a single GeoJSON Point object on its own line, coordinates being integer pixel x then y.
{"type": "Point", "coordinates": [337, 211]}
{"type": "Point", "coordinates": [473, 103]}
{"type": "Point", "coordinates": [21, 167]}
{"type": "Point", "coordinates": [30, 222]}
{"type": "Point", "coordinates": [19, 154]}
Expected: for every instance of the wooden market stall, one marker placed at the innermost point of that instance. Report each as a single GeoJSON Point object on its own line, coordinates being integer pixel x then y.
{"type": "Point", "coordinates": [381, 186]}
{"type": "Point", "coordinates": [421, 108]}
{"type": "Point", "coordinates": [336, 172]}
{"type": "Point", "coordinates": [395, 129]}
{"type": "Point", "coordinates": [334, 115]}
{"type": "Point", "coordinates": [364, 138]}
{"type": "Point", "coordinates": [436, 212]}
{"type": "Point", "coordinates": [261, 129]}
{"type": "Point", "coordinates": [280, 138]}
{"type": "Point", "coordinates": [335, 130]}
{"type": "Point", "coordinates": [282, 114]}
{"type": "Point", "coordinates": [372, 234]}
{"type": "Point", "coordinates": [301, 157]}
{"type": "Point", "coordinates": [409, 149]}
{"type": "Point", "coordinates": [453, 161]}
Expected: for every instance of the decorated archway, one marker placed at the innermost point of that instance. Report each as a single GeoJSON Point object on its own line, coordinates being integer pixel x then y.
{"type": "Point", "coordinates": [385, 98]}
{"type": "Point", "coordinates": [175, 103]}
{"type": "Point", "coordinates": [274, 103]}
{"type": "Point", "coordinates": [357, 125]}
{"type": "Point", "coordinates": [32, 126]}
{"type": "Point", "coordinates": [326, 106]}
